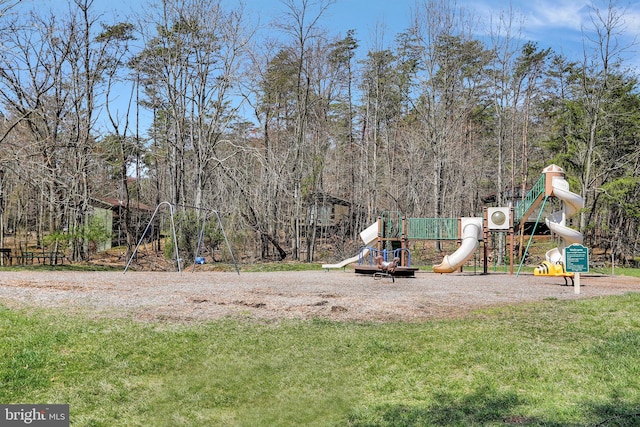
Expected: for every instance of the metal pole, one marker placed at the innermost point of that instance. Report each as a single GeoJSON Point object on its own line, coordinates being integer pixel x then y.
{"type": "Point", "coordinates": [227, 240]}
{"type": "Point", "coordinates": [200, 240]}
{"type": "Point", "coordinates": [173, 229]}
{"type": "Point", "coordinates": [175, 239]}
{"type": "Point", "coordinates": [524, 255]}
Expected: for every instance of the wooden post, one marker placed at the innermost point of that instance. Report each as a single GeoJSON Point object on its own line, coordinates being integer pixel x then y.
{"type": "Point", "coordinates": [460, 240]}
{"type": "Point", "coordinates": [380, 232]}
{"type": "Point", "coordinates": [485, 238]}
{"type": "Point", "coordinates": [511, 241]}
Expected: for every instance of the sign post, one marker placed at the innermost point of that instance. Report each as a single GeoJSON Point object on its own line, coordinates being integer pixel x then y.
{"type": "Point", "coordinates": [577, 261]}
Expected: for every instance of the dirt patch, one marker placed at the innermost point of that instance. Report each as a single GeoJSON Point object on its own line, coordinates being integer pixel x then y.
{"type": "Point", "coordinates": [336, 295]}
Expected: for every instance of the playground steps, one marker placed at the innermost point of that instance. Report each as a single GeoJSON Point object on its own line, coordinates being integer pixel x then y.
{"type": "Point", "coordinates": [531, 200]}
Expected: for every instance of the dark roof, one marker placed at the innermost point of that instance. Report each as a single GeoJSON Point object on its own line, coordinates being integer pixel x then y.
{"type": "Point", "coordinates": [109, 203]}
{"type": "Point", "coordinates": [326, 198]}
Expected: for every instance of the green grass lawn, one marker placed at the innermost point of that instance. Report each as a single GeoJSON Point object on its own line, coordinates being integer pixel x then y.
{"type": "Point", "coordinates": [555, 363]}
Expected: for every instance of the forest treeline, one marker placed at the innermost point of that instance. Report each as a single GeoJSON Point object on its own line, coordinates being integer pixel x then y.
{"type": "Point", "coordinates": [265, 125]}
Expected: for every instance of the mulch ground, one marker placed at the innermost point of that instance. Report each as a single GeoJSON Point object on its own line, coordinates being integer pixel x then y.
{"type": "Point", "coordinates": [336, 295]}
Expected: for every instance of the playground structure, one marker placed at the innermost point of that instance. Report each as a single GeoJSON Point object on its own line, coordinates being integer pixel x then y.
{"type": "Point", "coordinates": [368, 236]}
{"type": "Point", "coordinates": [555, 264]}
{"type": "Point", "coordinates": [383, 238]}
{"type": "Point", "coordinates": [471, 235]}
{"type": "Point", "coordinates": [389, 235]}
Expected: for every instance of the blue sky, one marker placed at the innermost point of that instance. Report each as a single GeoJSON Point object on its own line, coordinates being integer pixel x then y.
{"type": "Point", "coordinates": [558, 24]}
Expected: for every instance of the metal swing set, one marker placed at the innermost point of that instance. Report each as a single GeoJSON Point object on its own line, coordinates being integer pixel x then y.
{"type": "Point", "coordinates": [209, 212]}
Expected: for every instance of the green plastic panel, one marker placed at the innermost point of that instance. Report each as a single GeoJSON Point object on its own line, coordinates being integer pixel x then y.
{"type": "Point", "coordinates": [433, 228]}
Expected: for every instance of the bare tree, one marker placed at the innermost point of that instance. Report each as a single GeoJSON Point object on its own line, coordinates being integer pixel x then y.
{"type": "Point", "coordinates": [602, 57]}
{"type": "Point", "coordinates": [453, 84]}
{"type": "Point", "coordinates": [51, 81]}
{"type": "Point", "coordinates": [286, 86]}
{"type": "Point", "coordinates": [189, 71]}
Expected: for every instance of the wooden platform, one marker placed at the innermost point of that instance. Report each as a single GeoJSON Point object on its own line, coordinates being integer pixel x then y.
{"type": "Point", "coordinates": [399, 272]}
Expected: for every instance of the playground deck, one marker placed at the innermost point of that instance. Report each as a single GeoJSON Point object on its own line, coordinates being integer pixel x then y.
{"type": "Point", "coordinates": [399, 271]}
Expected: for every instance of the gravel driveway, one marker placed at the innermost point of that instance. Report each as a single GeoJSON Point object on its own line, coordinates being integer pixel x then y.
{"type": "Point", "coordinates": [337, 295]}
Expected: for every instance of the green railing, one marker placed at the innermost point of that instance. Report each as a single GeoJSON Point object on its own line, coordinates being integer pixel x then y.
{"type": "Point", "coordinates": [432, 228]}
{"type": "Point", "coordinates": [529, 200]}
{"type": "Point", "coordinates": [391, 224]}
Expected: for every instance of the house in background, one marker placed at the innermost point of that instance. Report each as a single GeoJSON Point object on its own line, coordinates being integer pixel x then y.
{"type": "Point", "coordinates": [324, 210]}
{"type": "Point", "coordinates": [102, 213]}
{"type": "Point", "coordinates": [110, 214]}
